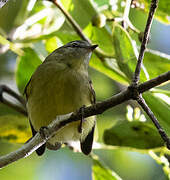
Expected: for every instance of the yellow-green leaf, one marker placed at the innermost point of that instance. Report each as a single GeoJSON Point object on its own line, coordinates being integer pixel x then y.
{"type": "Point", "coordinates": [136, 134]}
{"type": "Point", "coordinates": [14, 129]}
{"type": "Point", "coordinates": [100, 172]}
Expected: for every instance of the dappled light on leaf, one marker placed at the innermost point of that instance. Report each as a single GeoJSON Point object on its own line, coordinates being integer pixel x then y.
{"type": "Point", "coordinates": [125, 52]}
{"type": "Point", "coordinates": [100, 172]}
{"type": "Point", "coordinates": [14, 129]}
{"type": "Point", "coordinates": [134, 134]}
{"type": "Point", "coordinates": [160, 109]}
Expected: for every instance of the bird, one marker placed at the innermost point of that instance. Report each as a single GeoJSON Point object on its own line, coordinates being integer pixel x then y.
{"type": "Point", "coordinates": [61, 85]}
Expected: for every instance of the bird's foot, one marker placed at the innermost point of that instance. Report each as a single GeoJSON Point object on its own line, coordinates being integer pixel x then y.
{"type": "Point", "coordinates": [43, 132]}
{"type": "Point", "coordinates": [81, 111]}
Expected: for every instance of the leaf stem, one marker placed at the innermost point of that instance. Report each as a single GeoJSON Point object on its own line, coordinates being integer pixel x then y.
{"type": "Point", "coordinates": [162, 161]}
{"type": "Point", "coordinates": [127, 10]}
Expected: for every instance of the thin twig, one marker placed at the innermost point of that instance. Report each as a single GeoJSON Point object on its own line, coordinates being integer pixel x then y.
{"type": "Point", "coordinates": [22, 152]}
{"type": "Point", "coordinates": [2, 3]}
{"type": "Point", "coordinates": [154, 4]}
{"type": "Point", "coordinates": [148, 111]}
{"type": "Point", "coordinates": [160, 159]}
{"type": "Point", "coordinates": [17, 108]}
{"type": "Point", "coordinates": [71, 20]}
{"type": "Point", "coordinates": [126, 21]}
{"type": "Point", "coordinates": [127, 10]}
{"type": "Point", "coordinates": [9, 91]}
{"type": "Point", "coordinates": [153, 82]}
{"type": "Point", "coordinates": [4, 88]}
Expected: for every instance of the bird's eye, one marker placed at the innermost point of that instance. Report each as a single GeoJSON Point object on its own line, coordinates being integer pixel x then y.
{"type": "Point", "coordinates": [75, 45]}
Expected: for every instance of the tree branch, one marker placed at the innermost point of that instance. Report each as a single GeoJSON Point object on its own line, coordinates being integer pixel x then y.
{"type": "Point", "coordinates": [34, 143]}
{"type": "Point", "coordinates": [95, 109]}
{"type": "Point", "coordinates": [71, 20]}
{"type": "Point", "coordinates": [153, 82]}
{"type": "Point", "coordinates": [4, 88]}
{"type": "Point", "coordinates": [24, 151]}
{"type": "Point", "coordinates": [149, 84]}
{"type": "Point", "coordinates": [154, 4]}
{"type": "Point", "coordinates": [148, 111]}
{"type": "Point", "coordinates": [100, 106]}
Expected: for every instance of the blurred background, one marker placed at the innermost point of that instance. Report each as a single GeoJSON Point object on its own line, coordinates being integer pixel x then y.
{"type": "Point", "coordinates": [65, 164]}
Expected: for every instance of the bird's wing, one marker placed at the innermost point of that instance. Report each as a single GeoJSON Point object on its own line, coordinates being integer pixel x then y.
{"type": "Point", "coordinates": [86, 145]}
{"type": "Point", "coordinates": [42, 67]}
{"type": "Point", "coordinates": [40, 151]}
{"type": "Point", "coordinates": [92, 92]}
{"type": "Point", "coordinates": [27, 88]}
{"type": "Point", "coordinates": [27, 91]}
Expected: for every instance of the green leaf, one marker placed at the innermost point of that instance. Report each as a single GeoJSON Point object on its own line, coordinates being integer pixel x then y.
{"type": "Point", "coordinates": [101, 37]}
{"type": "Point", "coordinates": [164, 6]}
{"type": "Point", "coordinates": [160, 109]}
{"type": "Point", "coordinates": [14, 129]}
{"type": "Point", "coordinates": [162, 12]}
{"type": "Point", "coordinates": [5, 110]}
{"type": "Point", "coordinates": [26, 65]}
{"type": "Point", "coordinates": [156, 63]}
{"type": "Point", "coordinates": [125, 53]}
{"type": "Point", "coordinates": [157, 90]}
{"type": "Point", "coordinates": [11, 45]}
{"type": "Point", "coordinates": [100, 172]}
{"type": "Point", "coordinates": [22, 13]}
{"type": "Point", "coordinates": [65, 36]}
{"type": "Point", "coordinates": [51, 44]}
{"type": "Point", "coordinates": [162, 17]}
{"type": "Point", "coordinates": [109, 68]}
{"type": "Point", "coordinates": [82, 11]}
{"type": "Point", "coordinates": [136, 134]}
{"type": "Point", "coordinates": [11, 11]}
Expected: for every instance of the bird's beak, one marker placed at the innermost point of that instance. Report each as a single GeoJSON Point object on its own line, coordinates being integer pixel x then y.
{"type": "Point", "coordinates": [93, 47]}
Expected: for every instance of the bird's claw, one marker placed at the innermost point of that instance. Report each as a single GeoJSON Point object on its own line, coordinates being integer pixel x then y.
{"type": "Point", "coordinates": [81, 110]}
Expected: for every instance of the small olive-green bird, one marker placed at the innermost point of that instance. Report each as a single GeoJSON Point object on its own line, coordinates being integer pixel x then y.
{"type": "Point", "coordinates": [61, 85]}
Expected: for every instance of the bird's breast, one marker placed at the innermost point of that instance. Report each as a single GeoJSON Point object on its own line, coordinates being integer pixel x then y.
{"type": "Point", "coordinates": [56, 93]}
